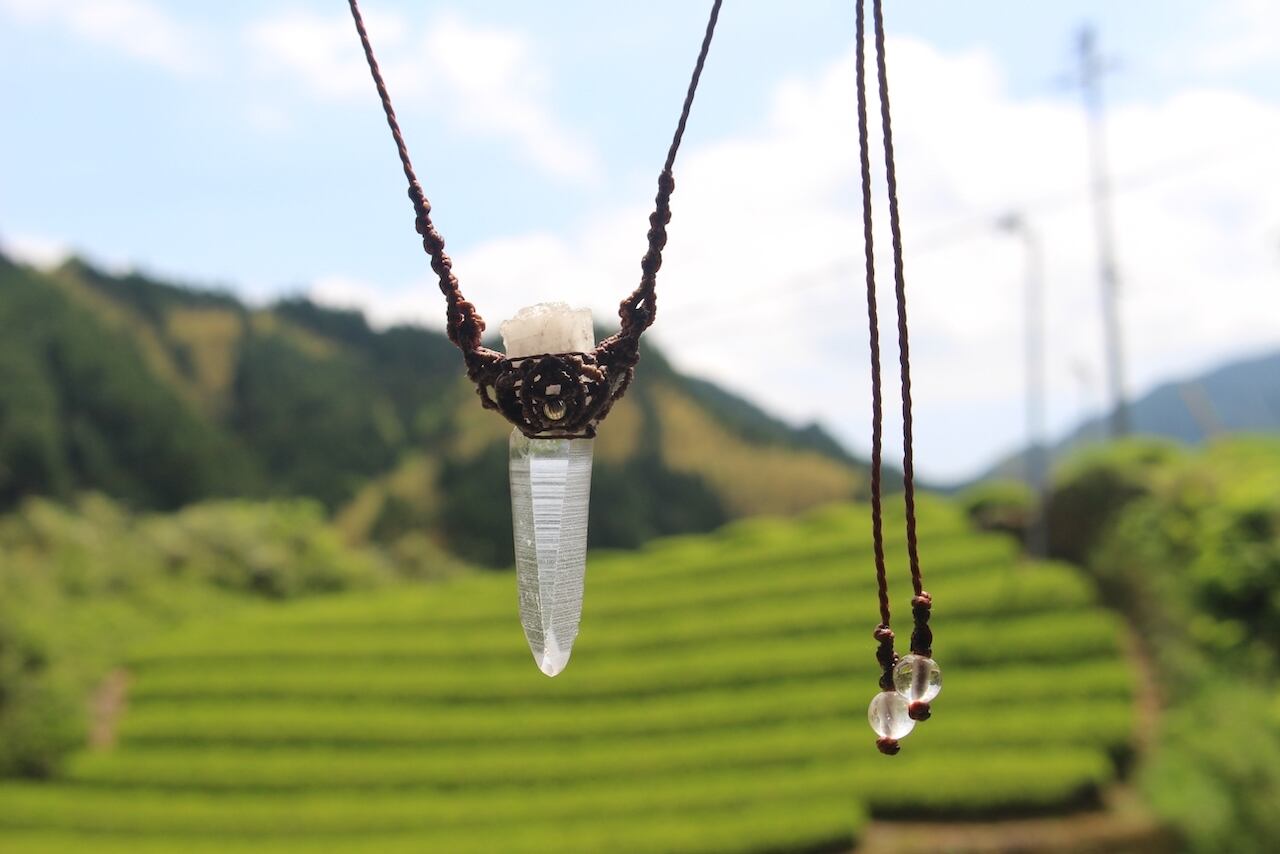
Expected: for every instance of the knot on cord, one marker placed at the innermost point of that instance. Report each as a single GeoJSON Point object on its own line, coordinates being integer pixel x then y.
{"type": "Point", "coordinates": [666, 182]}
{"type": "Point", "coordinates": [918, 711]}
{"type": "Point", "coordinates": [571, 392]}
{"type": "Point", "coordinates": [421, 206]}
{"type": "Point", "coordinates": [922, 635]}
{"type": "Point", "coordinates": [465, 326]}
{"type": "Point", "coordinates": [888, 746]}
{"type": "Point", "coordinates": [885, 655]}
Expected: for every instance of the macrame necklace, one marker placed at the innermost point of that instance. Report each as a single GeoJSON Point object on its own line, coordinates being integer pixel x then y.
{"type": "Point", "coordinates": [907, 683]}
{"type": "Point", "coordinates": [556, 388]}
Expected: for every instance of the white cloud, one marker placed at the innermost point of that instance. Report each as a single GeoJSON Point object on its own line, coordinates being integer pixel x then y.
{"type": "Point", "coordinates": [484, 81]}
{"type": "Point", "coordinates": [762, 287]}
{"type": "Point", "coordinates": [405, 303]}
{"type": "Point", "coordinates": [498, 87]}
{"type": "Point", "coordinates": [48, 253]}
{"type": "Point", "coordinates": [322, 52]}
{"type": "Point", "coordinates": [41, 252]}
{"type": "Point", "coordinates": [1242, 35]}
{"type": "Point", "coordinates": [135, 28]}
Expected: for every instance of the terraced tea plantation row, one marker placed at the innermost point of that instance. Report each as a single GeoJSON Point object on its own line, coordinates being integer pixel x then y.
{"type": "Point", "coordinates": [716, 701]}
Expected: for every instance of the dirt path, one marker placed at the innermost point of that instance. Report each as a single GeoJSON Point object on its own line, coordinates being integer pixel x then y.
{"type": "Point", "coordinates": [1147, 698]}
{"type": "Point", "coordinates": [105, 708]}
{"type": "Point", "coordinates": [1124, 824]}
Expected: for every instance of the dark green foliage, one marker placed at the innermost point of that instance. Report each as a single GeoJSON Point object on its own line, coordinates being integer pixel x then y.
{"type": "Point", "coordinates": [637, 500]}
{"type": "Point", "coordinates": [642, 499]}
{"type": "Point", "coordinates": [1218, 775]}
{"type": "Point", "coordinates": [314, 432]}
{"type": "Point", "coordinates": [715, 702]}
{"type": "Point", "coordinates": [148, 297]}
{"type": "Point", "coordinates": [79, 409]}
{"type": "Point", "coordinates": [322, 426]}
{"type": "Point", "coordinates": [416, 370]}
{"type": "Point", "coordinates": [163, 396]}
{"type": "Point", "coordinates": [1237, 572]}
{"type": "Point", "coordinates": [754, 424]}
{"type": "Point", "coordinates": [1003, 506]}
{"type": "Point", "coordinates": [78, 587]}
{"type": "Point", "coordinates": [33, 456]}
{"type": "Point", "coordinates": [41, 712]}
{"type": "Point", "coordinates": [476, 520]}
{"type": "Point", "coordinates": [349, 327]}
{"type": "Point", "coordinates": [1091, 490]}
{"type": "Point", "coordinates": [1189, 549]}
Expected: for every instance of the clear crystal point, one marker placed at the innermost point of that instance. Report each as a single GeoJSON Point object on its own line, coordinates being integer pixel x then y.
{"type": "Point", "coordinates": [550, 495]}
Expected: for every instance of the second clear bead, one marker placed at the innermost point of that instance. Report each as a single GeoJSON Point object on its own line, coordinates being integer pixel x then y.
{"type": "Point", "coordinates": [917, 679]}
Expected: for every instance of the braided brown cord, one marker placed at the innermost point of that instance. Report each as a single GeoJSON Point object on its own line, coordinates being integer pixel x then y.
{"type": "Point", "coordinates": [921, 636]}
{"type": "Point", "coordinates": [883, 634]}
{"type": "Point", "coordinates": [465, 326]}
{"type": "Point", "coordinates": [595, 380]}
{"type": "Point", "coordinates": [638, 310]}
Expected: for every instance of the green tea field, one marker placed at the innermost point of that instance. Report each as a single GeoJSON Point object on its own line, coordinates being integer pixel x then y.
{"type": "Point", "coordinates": [716, 701]}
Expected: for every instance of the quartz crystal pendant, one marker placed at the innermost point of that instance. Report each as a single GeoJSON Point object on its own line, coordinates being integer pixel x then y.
{"type": "Point", "coordinates": [917, 678]}
{"type": "Point", "coordinates": [888, 715]}
{"type": "Point", "coordinates": [550, 494]}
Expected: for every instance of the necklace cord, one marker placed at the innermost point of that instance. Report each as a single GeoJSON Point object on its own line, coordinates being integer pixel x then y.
{"type": "Point", "coordinates": [464, 324]}
{"type": "Point", "coordinates": [921, 602]}
{"type": "Point", "coordinates": [883, 634]}
{"type": "Point", "coordinates": [638, 310]}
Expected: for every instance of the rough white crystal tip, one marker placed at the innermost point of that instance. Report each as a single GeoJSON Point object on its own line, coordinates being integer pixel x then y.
{"type": "Point", "coordinates": [548, 327]}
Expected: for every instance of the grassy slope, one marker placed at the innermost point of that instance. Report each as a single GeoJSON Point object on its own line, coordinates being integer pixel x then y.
{"type": "Point", "coordinates": [716, 701]}
{"type": "Point", "coordinates": [300, 400]}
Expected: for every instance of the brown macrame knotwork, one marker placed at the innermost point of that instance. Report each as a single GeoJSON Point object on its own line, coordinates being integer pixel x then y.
{"type": "Point", "coordinates": [560, 395]}
{"type": "Point", "coordinates": [557, 395]}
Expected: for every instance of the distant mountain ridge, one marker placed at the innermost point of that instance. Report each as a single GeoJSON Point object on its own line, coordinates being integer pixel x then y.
{"type": "Point", "coordinates": [1242, 396]}
{"type": "Point", "coordinates": [163, 395]}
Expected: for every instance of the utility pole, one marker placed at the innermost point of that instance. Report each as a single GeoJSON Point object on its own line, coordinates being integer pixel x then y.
{"type": "Point", "coordinates": [1037, 454]}
{"type": "Point", "coordinates": [1091, 70]}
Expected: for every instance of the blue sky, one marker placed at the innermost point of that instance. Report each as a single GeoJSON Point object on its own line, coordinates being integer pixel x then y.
{"type": "Point", "coordinates": [240, 145]}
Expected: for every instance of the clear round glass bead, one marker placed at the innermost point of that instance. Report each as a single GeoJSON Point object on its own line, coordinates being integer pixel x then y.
{"type": "Point", "coordinates": [917, 678]}
{"type": "Point", "coordinates": [888, 715]}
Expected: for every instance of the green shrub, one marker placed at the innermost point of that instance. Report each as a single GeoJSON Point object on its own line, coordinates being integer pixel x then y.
{"type": "Point", "coordinates": [1091, 490]}
{"type": "Point", "coordinates": [1195, 558]}
{"type": "Point", "coordinates": [1215, 777]}
{"type": "Point", "coordinates": [279, 550]}
{"type": "Point", "coordinates": [41, 715]}
{"type": "Point", "coordinates": [1000, 506]}
{"type": "Point", "coordinates": [78, 587]}
{"type": "Point", "coordinates": [717, 705]}
{"type": "Point", "coordinates": [1188, 547]}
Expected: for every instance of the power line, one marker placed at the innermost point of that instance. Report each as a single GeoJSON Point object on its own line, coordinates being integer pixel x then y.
{"type": "Point", "coordinates": [1091, 70]}
{"type": "Point", "coordinates": [710, 313]}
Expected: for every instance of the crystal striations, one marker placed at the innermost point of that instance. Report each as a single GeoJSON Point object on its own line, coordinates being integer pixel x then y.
{"type": "Point", "coordinates": [550, 493]}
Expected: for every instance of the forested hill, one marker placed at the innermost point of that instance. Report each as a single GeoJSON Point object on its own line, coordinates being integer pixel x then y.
{"type": "Point", "coordinates": [1242, 396]}
{"type": "Point", "coordinates": [162, 396]}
